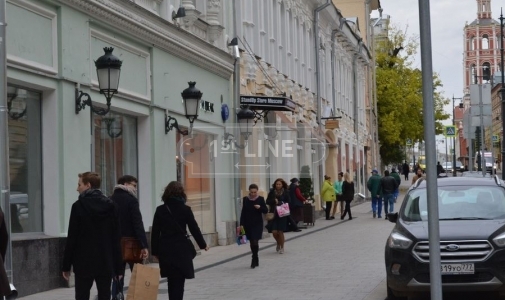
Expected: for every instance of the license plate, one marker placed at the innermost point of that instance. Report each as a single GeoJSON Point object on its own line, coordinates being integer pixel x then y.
{"type": "Point", "coordinates": [455, 269]}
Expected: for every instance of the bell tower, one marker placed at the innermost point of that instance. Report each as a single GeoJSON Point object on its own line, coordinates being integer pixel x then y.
{"type": "Point", "coordinates": [483, 9]}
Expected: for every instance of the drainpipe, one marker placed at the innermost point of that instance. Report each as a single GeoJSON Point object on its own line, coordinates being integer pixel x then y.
{"type": "Point", "coordinates": [236, 101]}
{"type": "Point", "coordinates": [318, 71]}
{"type": "Point", "coordinates": [355, 90]}
{"type": "Point", "coordinates": [4, 141]}
{"type": "Point", "coordinates": [318, 77]}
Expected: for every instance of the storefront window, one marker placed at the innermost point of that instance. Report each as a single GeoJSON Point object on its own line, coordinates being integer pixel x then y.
{"type": "Point", "coordinates": [25, 160]}
{"type": "Point", "coordinates": [115, 144]}
{"type": "Point", "coordinates": [195, 170]}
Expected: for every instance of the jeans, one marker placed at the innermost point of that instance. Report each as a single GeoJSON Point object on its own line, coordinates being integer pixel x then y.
{"type": "Point", "coordinates": [377, 201]}
{"type": "Point", "coordinates": [396, 193]}
{"type": "Point", "coordinates": [389, 200]}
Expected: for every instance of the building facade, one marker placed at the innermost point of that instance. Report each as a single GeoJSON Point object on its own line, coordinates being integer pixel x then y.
{"type": "Point", "coordinates": [318, 66]}
{"type": "Point", "coordinates": [481, 63]}
{"type": "Point", "coordinates": [51, 47]}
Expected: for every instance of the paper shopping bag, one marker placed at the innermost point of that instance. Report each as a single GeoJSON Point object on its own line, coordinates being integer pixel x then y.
{"type": "Point", "coordinates": [144, 283]}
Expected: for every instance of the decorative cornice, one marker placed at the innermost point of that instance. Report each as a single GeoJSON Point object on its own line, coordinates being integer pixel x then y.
{"type": "Point", "coordinates": [130, 18]}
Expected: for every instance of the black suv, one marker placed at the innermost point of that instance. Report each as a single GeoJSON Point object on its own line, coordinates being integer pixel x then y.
{"type": "Point", "coordinates": [472, 238]}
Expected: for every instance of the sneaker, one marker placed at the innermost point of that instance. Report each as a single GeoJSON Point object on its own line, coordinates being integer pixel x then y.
{"type": "Point", "coordinates": [380, 217]}
{"type": "Point", "coordinates": [332, 217]}
{"type": "Point", "coordinates": [281, 251]}
{"type": "Point", "coordinates": [374, 215]}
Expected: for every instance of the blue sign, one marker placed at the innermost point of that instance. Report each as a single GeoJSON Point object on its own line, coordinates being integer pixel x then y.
{"type": "Point", "coordinates": [225, 112]}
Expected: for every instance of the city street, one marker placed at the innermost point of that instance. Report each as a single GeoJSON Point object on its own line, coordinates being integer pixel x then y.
{"type": "Point", "coordinates": [333, 260]}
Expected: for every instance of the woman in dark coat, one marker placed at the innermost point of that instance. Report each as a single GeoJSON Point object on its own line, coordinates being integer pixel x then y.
{"type": "Point", "coordinates": [251, 219]}
{"type": "Point", "coordinates": [277, 226]}
{"type": "Point", "coordinates": [347, 194]}
{"type": "Point", "coordinates": [169, 241]}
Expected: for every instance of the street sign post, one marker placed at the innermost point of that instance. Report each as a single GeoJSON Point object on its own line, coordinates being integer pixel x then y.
{"type": "Point", "coordinates": [409, 142]}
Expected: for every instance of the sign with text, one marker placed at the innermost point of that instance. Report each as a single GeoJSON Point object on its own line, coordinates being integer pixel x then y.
{"type": "Point", "coordinates": [268, 103]}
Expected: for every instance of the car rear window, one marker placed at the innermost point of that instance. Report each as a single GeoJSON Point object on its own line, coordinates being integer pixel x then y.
{"type": "Point", "coordinates": [457, 202]}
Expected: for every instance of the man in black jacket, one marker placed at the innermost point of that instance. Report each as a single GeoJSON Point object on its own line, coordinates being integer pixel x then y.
{"type": "Point", "coordinates": [130, 218]}
{"type": "Point", "coordinates": [93, 240]}
{"type": "Point", "coordinates": [389, 186]}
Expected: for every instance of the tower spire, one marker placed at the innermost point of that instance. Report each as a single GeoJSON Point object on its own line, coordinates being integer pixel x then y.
{"type": "Point", "coordinates": [484, 9]}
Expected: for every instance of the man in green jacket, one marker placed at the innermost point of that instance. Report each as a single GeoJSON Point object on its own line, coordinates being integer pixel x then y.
{"type": "Point", "coordinates": [396, 176]}
{"type": "Point", "coordinates": [374, 186]}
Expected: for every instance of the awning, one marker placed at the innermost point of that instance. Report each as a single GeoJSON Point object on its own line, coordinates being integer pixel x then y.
{"type": "Point", "coordinates": [268, 103]}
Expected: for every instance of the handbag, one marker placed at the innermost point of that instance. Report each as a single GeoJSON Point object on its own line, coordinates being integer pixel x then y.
{"type": "Point", "coordinates": [269, 216]}
{"type": "Point", "coordinates": [131, 250]}
{"type": "Point", "coordinates": [144, 283]}
{"type": "Point", "coordinates": [241, 237]}
{"type": "Point", "coordinates": [283, 210]}
{"type": "Point", "coordinates": [117, 288]}
{"type": "Point", "coordinates": [188, 243]}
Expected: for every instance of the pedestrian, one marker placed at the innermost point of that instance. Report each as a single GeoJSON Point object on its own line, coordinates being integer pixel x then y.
{"type": "Point", "coordinates": [406, 170]}
{"type": "Point", "coordinates": [374, 186]}
{"type": "Point", "coordinates": [388, 187]}
{"type": "Point", "coordinates": [93, 246]}
{"type": "Point", "coordinates": [337, 186]}
{"type": "Point", "coordinates": [251, 220]}
{"type": "Point", "coordinates": [297, 200]}
{"type": "Point", "coordinates": [5, 288]}
{"type": "Point", "coordinates": [277, 196]}
{"type": "Point", "coordinates": [347, 195]}
{"type": "Point", "coordinates": [169, 239]}
{"type": "Point", "coordinates": [440, 169]}
{"type": "Point", "coordinates": [328, 195]}
{"type": "Point", "coordinates": [396, 176]}
{"type": "Point", "coordinates": [130, 219]}
{"type": "Point", "coordinates": [419, 174]}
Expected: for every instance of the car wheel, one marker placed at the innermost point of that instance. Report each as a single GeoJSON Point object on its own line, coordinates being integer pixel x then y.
{"type": "Point", "coordinates": [391, 295]}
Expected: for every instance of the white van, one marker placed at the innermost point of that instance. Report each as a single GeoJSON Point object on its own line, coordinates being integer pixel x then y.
{"type": "Point", "coordinates": [489, 161]}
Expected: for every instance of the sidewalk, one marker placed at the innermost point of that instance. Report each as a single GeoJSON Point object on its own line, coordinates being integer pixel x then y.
{"type": "Point", "coordinates": [220, 254]}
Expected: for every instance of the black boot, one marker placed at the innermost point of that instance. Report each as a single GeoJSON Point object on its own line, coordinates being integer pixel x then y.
{"type": "Point", "coordinates": [255, 260]}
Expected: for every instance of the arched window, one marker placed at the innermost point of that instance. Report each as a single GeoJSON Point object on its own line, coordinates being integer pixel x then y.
{"type": "Point", "coordinates": [472, 43]}
{"type": "Point", "coordinates": [485, 42]}
{"type": "Point", "coordinates": [486, 71]}
{"type": "Point", "coordinates": [473, 74]}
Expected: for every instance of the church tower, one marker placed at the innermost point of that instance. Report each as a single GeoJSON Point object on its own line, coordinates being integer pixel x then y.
{"type": "Point", "coordinates": [481, 55]}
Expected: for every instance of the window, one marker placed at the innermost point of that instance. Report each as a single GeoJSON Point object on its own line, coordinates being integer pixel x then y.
{"type": "Point", "coordinates": [485, 42]}
{"type": "Point", "coordinates": [486, 71]}
{"type": "Point", "coordinates": [196, 173]}
{"type": "Point", "coordinates": [472, 43]}
{"type": "Point", "coordinates": [25, 160]}
{"type": "Point", "coordinates": [115, 145]}
{"type": "Point", "coordinates": [473, 74]}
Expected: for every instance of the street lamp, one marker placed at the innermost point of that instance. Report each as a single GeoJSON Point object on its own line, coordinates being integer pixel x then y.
{"type": "Point", "coordinates": [108, 69]}
{"type": "Point", "coordinates": [245, 118]}
{"type": "Point", "coordinates": [502, 96]}
{"type": "Point", "coordinates": [191, 98]}
{"type": "Point", "coordinates": [454, 137]}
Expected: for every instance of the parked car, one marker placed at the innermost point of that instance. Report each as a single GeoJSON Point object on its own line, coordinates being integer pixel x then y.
{"type": "Point", "coordinates": [447, 166]}
{"type": "Point", "coordinates": [472, 238]}
{"type": "Point", "coordinates": [475, 174]}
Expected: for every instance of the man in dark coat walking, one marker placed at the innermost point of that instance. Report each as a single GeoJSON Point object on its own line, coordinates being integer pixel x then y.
{"type": "Point", "coordinates": [93, 241]}
{"type": "Point", "coordinates": [126, 200]}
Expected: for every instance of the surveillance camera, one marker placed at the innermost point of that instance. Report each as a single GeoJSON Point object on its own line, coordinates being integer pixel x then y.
{"type": "Point", "coordinates": [236, 52]}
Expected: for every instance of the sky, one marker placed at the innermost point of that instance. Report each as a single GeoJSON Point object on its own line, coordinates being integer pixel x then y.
{"type": "Point", "coordinates": [448, 19]}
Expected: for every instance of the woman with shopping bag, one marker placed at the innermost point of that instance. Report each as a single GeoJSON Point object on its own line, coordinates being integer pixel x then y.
{"type": "Point", "coordinates": [278, 200]}
{"type": "Point", "coordinates": [169, 240]}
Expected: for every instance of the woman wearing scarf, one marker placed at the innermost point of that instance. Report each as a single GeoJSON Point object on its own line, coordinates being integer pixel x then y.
{"type": "Point", "coordinates": [279, 194]}
{"type": "Point", "coordinates": [251, 219]}
{"type": "Point", "coordinates": [168, 240]}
